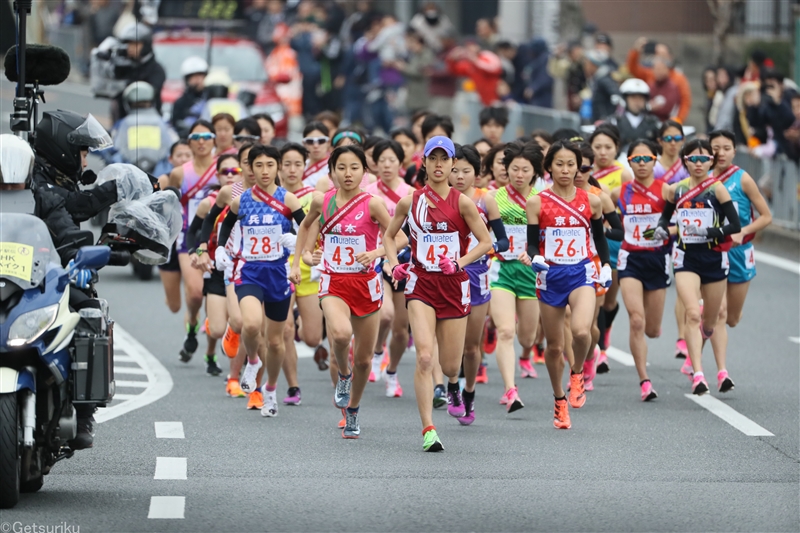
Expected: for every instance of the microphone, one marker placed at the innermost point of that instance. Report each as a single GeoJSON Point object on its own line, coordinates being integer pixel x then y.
{"type": "Point", "coordinates": [47, 65]}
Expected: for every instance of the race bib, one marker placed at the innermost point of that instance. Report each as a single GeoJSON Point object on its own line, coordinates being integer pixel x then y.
{"type": "Point", "coordinates": [262, 243]}
{"type": "Point", "coordinates": [483, 281]}
{"type": "Point", "coordinates": [376, 288]}
{"type": "Point", "coordinates": [702, 218]}
{"type": "Point", "coordinates": [677, 258]}
{"type": "Point", "coordinates": [431, 245]}
{"type": "Point", "coordinates": [340, 253]}
{"type": "Point", "coordinates": [466, 295]}
{"type": "Point", "coordinates": [622, 259]}
{"type": "Point", "coordinates": [517, 242]}
{"type": "Point", "coordinates": [750, 258]}
{"type": "Point", "coordinates": [636, 225]}
{"type": "Point", "coordinates": [565, 246]}
{"type": "Point", "coordinates": [191, 208]}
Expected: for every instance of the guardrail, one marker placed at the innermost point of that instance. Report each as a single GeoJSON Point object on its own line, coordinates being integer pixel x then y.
{"type": "Point", "coordinates": [779, 181]}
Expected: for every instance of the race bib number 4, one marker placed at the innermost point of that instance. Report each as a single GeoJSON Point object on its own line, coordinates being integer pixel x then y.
{"type": "Point", "coordinates": [565, 246]}
{"type": "Point", "coordinates": [517, 242]}
{"type": "Point", "coordinates": [262, 243]}
{"type": "Point", "coordinates": [431, 245]}
{"type": "Point", "coordinates": [636, 225]}
{"type": "Point", "coordinates": [340, 253]}
{"type": "Point", "coordinates": [702, 218]}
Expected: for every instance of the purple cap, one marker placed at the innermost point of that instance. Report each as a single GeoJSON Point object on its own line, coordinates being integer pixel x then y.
{"type": "Point", "coordinates": [440, 142]}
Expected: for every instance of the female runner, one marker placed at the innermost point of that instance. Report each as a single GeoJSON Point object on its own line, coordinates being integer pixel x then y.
{"type": "Point", "coordinates": [266, 212]}
{"type": "Point", "coordinates": [465, 171]}
{"type": "Point", "coordinates": [223, 128]}
{"type": "Point", "coordinates": [747, 200]}
{"type": "Point", "coordinates": [494, 168]}
{"type": "Point", "coordinates": [316, 139]}
{"type": "Point", "coordinates": [514, 309]}
{"type": "Point", "coordinates": [437, 288]}
{"type": "Point", "coordinates": [563, 221]}
{"type": "Point", "coordinates": [351, 291]}
{"type": "Point", "coordinates": [701, 267]}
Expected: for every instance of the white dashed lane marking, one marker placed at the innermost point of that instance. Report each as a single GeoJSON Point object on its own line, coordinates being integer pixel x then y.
{"type": "Point", "coordinates": [730, 415]}
{"type": "Point", "coordinates": [167, 507]}
{"type": "Point", "coordinates": [170, 468]}
{"type": "Point", "coordinates": [169, 430]}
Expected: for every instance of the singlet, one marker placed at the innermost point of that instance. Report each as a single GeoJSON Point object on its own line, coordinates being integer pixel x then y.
{"type": "Point", "coordinates": [313, 173]}
{"type": "Point", "coordinates": [611, 176]}
{"type": "Point", "coordinates": [355, 233]}
{"type": "Point", "coordinates": [234, 244]}
{"type": "Point", "coordinates": [565, 228]}
{"type": "Point", "coordinates": [434, 233]}
{"type": "Point", "coordinates": [741, 201]}
{"type": "Point", "coordinates": [375, 189]}
{"type": "Point", "coordinates": [262, 227]}
{"type": "Point", "coordinates": [671, 175]}
{"type": "Point", "coordinates": [479, 197]}
{"type": "Point", "coordinates": [703, 211]}
{"type": "Point", "coordinates": [190, 179]}
{"type": "Point", "coordinates": [515, 220]}
{"type": "Point", "coordinates": [641, 209]}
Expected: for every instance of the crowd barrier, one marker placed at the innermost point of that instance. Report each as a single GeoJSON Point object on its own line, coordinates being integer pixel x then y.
{"type": "Point", "coordinates": [779, 180]}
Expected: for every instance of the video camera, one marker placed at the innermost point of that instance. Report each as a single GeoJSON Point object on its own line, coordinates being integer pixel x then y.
{"type": "Point", "coordinates": [106, 60]}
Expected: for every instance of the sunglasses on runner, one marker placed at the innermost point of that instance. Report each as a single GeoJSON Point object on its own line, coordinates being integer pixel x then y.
{"type": "Point", "coordinates": [315, 140]}
{"type": "Point", "coordinates": [671, 138]}
{"type": "Point", "coordinates": [231, 171]}
{"type": "Point", "coordinates": [202, 136]}
{"type": "Point", "coordinates": [642, 158]}
{"type": "Point", "coordinates": [699, 158]}
{"type": "Point", "coordinates": [246, 138]}
{"type": "Point", "coordinates": [585, 168]}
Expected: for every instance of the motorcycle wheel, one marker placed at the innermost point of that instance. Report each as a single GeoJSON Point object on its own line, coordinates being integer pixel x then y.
{"type": "Point", "coordinates": [142, 271]}
{"type": "Point", "coordinates": [10, 450]}
{"type": "Point", "coordinates": [32, 485]}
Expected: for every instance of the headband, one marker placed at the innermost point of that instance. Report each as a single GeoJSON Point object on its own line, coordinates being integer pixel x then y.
{"type": "Point", "coordinates": [347, 134]}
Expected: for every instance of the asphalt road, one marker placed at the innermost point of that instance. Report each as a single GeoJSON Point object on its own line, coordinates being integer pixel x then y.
{"type": "Point", "coordinates": [668, 465]}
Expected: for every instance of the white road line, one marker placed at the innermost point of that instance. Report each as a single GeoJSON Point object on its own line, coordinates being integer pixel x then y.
{"type": "Point", "coordinates": [122, 397]}
{"type": "Point", "coordinates": [123, 359]}
{"type": "Point", "coordinates": [170, 468]}
{"type": "Point", "coordinates": [167, 507]}
{"type": "Point", "coordinates": [778, 262]}
{"type": "Point", "coordinates": [730, 415]}
{"type": "Point", "coordinates": [303, 351]}
{"type": "Point", "coordinates": [159, 381]}
{"type": "Point", "coordinates": [795, 339]}
{"type": "Point", "coordinates": [169, 430]}
{"type": "Point", "coordinates": [133, 384]}
{"type": "Point", "coordinates": [129, 370]}
{"type": "Point", "coordinates": [620, 356]}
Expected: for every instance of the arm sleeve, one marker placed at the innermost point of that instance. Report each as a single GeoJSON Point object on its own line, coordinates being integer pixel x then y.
{"type": "Point", "coordinates": [501, 245]}
{"type": "Point", "coordinates": [533, 240]}
{"type": "Point", "coordinates": [227, 227]}
{"type": "Point", "coordinates": [600, 243]}
{"type": "Point", "coordinates": [615, 232]}
{"type": "Point", "coordinates": [666, 215]}
{"type": "Point", "coordinates": [193, 233]}
{"type": "Point", "coordinates": [298, 216]}
{"type": "Point", "coordinates": [208, 223]}
{"type": "Point", "coordinates": [734, 225]}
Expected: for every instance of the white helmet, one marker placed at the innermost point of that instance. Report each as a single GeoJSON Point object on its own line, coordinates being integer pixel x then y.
{"type": "Point", "coordinates": [138, 92]}
{"type": "Point", "coordinates": [16, 159]}
{"type": "Point", "coordinates": [634, 86]}
{"type": "Point", "coordinates": [194, 65]}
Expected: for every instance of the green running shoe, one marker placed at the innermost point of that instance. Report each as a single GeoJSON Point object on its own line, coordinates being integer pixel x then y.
{"type": "Point", "coordinates": [431, 442]}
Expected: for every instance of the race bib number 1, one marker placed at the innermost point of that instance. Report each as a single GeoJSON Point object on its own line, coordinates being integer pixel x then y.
{"type": "Point", "coordinates": [565, 246]}
{"type": "Point", "coordinates": [431, 245]}
{"type": "Point", "coordinates": [261, 243]}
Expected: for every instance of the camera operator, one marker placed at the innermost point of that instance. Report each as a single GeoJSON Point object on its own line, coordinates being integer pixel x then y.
{"type": "Point", "coordinates": [141, 65]}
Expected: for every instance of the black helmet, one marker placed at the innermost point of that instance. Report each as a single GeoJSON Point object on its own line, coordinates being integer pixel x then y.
{"type": "Point", "coordinates": [61, 135]}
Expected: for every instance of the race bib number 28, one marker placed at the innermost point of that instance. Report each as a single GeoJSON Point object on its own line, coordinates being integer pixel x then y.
{"type": "Point", "coordinates": [261, 243]}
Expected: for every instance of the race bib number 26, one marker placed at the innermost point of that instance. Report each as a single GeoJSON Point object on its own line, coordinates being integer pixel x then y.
{"type": "Point", "coordinates": [565, 246]}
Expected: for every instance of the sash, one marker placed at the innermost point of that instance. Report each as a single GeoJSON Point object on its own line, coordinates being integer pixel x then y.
{"type": "Point", "coordinates": [388, 193]}
{"type": "Point", "coordinates": [302, 192]}
{"type": "Point", "coordinates": [641, 189]}
{"type": "Point", "coordinates": [560, 201]}
{"type": "Point", "coordinates": [694, 191]}
{"type": "Point", "coordinates": [515, 196]}
{"type": "Point", "coordinates": [600, 174]}
{"type": "Point", "coordinates": [271, 201]}
{"type": "Point", "coordinates": [210, 172]}
{"type": "Point", "coordinates": [342, 212]}
{"type": "Point", "coordinates": [313, 169]}
{"type": "Point", "coordinates": [448, 211]}
{"type": "Point", "coordinates": [728, 173]}
{"type": "Point", "coordinates": [727, 245]}
{"type": "Point", "coordinates": [670, 173]}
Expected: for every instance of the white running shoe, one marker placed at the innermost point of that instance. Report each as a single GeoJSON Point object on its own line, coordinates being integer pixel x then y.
{"type": "Point", "coordinates": [248, 382]}
{"type": "Point", "coordinates": [374, 374]}
{"type": "Point", "coordinates": [270, 408]}
{"type": "Point", "coordinates": [393, 388]}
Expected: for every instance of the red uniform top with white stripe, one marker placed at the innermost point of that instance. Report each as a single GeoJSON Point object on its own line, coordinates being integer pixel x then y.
{"type": "Point", "coordinates": [355, 233]}
{"type": "Point", "coordinates": [565, 228]}
{"type": "Point", "coordinates": [641, 208]}
{"type": "Point", "coordinates": [433, 232]}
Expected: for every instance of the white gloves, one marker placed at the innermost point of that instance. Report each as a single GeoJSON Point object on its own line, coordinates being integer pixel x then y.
{"type": "Point", "coordinates": [538, 264]}
{"type": "Point", "coordinates": [605, 276]}
{"type": "Point", "coordinates": [222, 260]}
{"type": "Point", "coordinates": [288, 241]}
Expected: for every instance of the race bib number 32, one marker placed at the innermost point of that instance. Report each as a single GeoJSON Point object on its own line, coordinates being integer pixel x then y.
{"type": "Point", "coordinates": [431, 245]}
{"type": "Point", "coordinates": [261, 243]}
{"type": "Point", "coordinates": [702, 218]}
{"type": "Point", "coordinates": [565, 246]}
{"type": "Point", "coordinates": [340, 253]}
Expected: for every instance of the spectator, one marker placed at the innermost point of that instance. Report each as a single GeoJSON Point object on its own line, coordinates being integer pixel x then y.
{"type": "Point", "coordinates": [481, 66]}
{"type": "Point", "coordinates": [513, 66]}
{"type": "Point", "coordinates": [567, 64]}
{"type": "Point", "coordinates": [635, 122]}
{"type": "Point", "coordinates": [664, 94]}
{"type": "Point", "coordinates": [602, 86]}
{"type": "Point", "coordinates": [307, 40]}
{"type": "Point", "coordinates": [433, 26]}
{"type": "Point", "coordinates": [757, 61]}
{"type": "Point", "coordinates": [775, 110]}
{"type": "Point", "coordinates": [416, 69]}
{"type": "Point", "coordinates": [538, 82]}
{"type": "Point", "coordinates": [677, 77]}
{"type": "Point", "coordinates": [263, 17]}
{"type": "Point", "coordinates": [728, 82]}
{"type": "Point", "coordinates": [604, 45]}
{"type": "Point", "coordinates": [746, 123]}
{"type": "Point", "coordinates": [189, 106]}
{"type": "Point", "coordinates": [486, 31]}
{"type": "Point", "coordinates": [714, 97]}
{"type": "Point", "coordinates": [792, 134]}
{"type": "Point", "coordinates": [282, 67]}
{"type": "Point", "coordinates": [390, 45]}
{"type": "Point", "coordinates": [493, 121]}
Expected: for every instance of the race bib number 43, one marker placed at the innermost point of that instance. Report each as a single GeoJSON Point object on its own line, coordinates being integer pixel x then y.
{"type": "Point", "coordinates": [431, 245]}
{"type": "Point", "coordinates": [340, 253]}
{"type": "Point", "coordinates": [636, 225]}
{"type": "Point", "coordinates": [702, 218]}
{"type": "Point", "coordinates": [517, 241]}
{"type": "Point", "coordinates": [261, 243]}
{"type": "Point", "coordinates": [565, 246]}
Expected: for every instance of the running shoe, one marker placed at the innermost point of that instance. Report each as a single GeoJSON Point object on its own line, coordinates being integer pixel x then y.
{"type": "Point", "coordinates": [607, 336]}
{"type": "Point", "coordinates": [561, 415]}
{"type": "Point", "coordinates": [469, 410]}
{"type": "Point", "coordinates": [293, 396]}
{"type": "Point", "coordinates": [393, 388]}
{"type": "Point", "coordinates": [681, 350]}
{"type": "Point", "coordinates": [699, 385]}
{"type": "Point", "coordinates": [602, 363]}
{"type": "Point", "coordinates": [648, 392]}
{"type": "Point", "coordinates": [351, 428]}
{"type": "Point", "coordinates": [538, 354]}
{"type": "Point", "coordinates": [483, 376]}
{"type": "Point", "coordinates": [489, 339]}
{"type": "Point", "coordinates": [212, 368]}
{"type": "Point", "coordinates": [385, 360]}
{"type": "Point", "coordinates": [230, 343]}
{"type": "Point", "coordinates": [455, 407]}
{"type": "Point", "coordinates": [589, 371]}
{"type": "Point", "coordinates": [687, 368]}
{"type": "Point", "coordinates": [513, 402]}
{"type": "Point", "coordinates": [321, 357]}
{"type": "Point", "coordinates": [375, 373]}
{"type": "Point", "coordinates": [255, 400]}
{"type": "Point", "coordinates": [249, 375]}
{"type": "Point", "coordinates": [526, 369]}
{"type": "Point", "coordinates": [343, 422]}
{"type": "Point", "coordinates": [431, 442]}
{"type": "Point", "coordinates": [439, 397]}
{"type": "Point", "coordinates": [341, 398]}
{"type": "Point", "coordinates": [189, 343]}
{"type": "Point", "coordinates": [234, 390]}
{"type": "Point", "coordinates": [577, 395]}
{"type": "Point", "coordinates": [205, 328]}
{"type": "Point", "coordinates": [724, 382]}
{"type": "Point", "coordinates": [270, 408]}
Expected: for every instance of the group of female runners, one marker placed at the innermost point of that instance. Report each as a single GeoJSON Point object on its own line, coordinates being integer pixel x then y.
{"type": "Point", "coordinates": [353, 238]}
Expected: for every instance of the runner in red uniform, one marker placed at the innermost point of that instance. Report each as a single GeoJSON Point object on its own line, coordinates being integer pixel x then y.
{"type": "Point", "coordinates": [437, 288]}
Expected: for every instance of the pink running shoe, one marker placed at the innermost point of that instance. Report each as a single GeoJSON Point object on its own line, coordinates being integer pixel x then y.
{"type": "Point", "coordinates": [687, 368]}
{"type": "Point", "coordinates": [724, 382]}
{"type": "Point", "coordinates": [681, 351]}
{"type": "Point", "coordinates": [526, 369]}
{"type": "Point", "coordinates": [589, 372]}
{"type": "Point", "coordinates": [503, 400]}
{"type": "Point", "coordinates": [648, 392]}
{"type": "Point", "coordinates": [602, 363]}
{"type": "Point", "coordinates": [699, 385]}
{"type": "Point", "coordinates": [513, 403]}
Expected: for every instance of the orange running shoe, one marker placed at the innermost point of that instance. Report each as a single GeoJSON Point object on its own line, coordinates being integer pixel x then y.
{"type": "Point", "coordinates": [230, 343]}
{"type": "Point", "coordinates": [205, 328]}
{"type": "Point", "coordinates": [343, 421]}
{"type": "Point", "coordinates": [234, 390]}
{"type": "Point", "coordinates": [561, 415]}
{"type": "Point", "coordinates": [483, 376]}
{"type": "Point", "coordinates": [538, 354]}
{"type": "Point", "coordinates": [256, 400]}
{"type": "Point", "coordinates": [577, 395]}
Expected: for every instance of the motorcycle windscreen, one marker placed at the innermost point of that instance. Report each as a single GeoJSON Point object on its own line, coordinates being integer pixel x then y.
{"type": "Point", "coordinates": [26, 249]}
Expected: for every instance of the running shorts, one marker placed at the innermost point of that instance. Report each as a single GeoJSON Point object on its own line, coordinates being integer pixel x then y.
{"type": "Point", "coordinates": [363, 293]}
{"type": "Point", "coordinates": [651, 268]}
{"type": "Point", "coordinates": [270, 276]}
{"type": "Point", "coordinates": [306, 287]}
{"type": "Point", "coordinates": [516, 278]}
{"type": "Point", "coordinates": [555, 285]}
{"type": "Point", "coordinates": [172, 264]}
{"type": "Point", "coordinates": [401, 285]}
{"type": "Point", "coordinates": [710, 265]}
{"type": "Point", "coordinates": [448, 295]}
{"type": "Point", "coordinates": [215, 284]}
{"type": "Point", "coordinates": [743, 263]}
{"type": "Point", "coordinates": [613, 252]}
{"type": "Point", "coordinates": [479, 287]}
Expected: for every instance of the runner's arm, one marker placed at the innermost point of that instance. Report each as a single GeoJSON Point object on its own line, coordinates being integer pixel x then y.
{"type": "Point", "coordinates": [532, 208]}
{"type": "Point", "coordinates": [473, 219]}
{"type": "Point", "coordinates": [598, 230]}
{"type": "Point", "coordinates": [764, 215]}
{"type": "Point", "coordinates": [208, 224]}
{"type": "Point", "coordinates": [398, 220]}
{"type": "Point", "coordinates": [614, 232]}
{"type": "Point", "coordinates": [228, 223]}
{"type": "Point", "coordinates": [499, 229]}
{"type": "Point", "coordinates": [734, 225]}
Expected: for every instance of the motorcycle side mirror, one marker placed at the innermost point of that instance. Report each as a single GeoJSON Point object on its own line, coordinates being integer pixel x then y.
{"type": "Point", "coordinates": [92, 257]}
{"type": "Point", "coordinates": [247, 98]}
